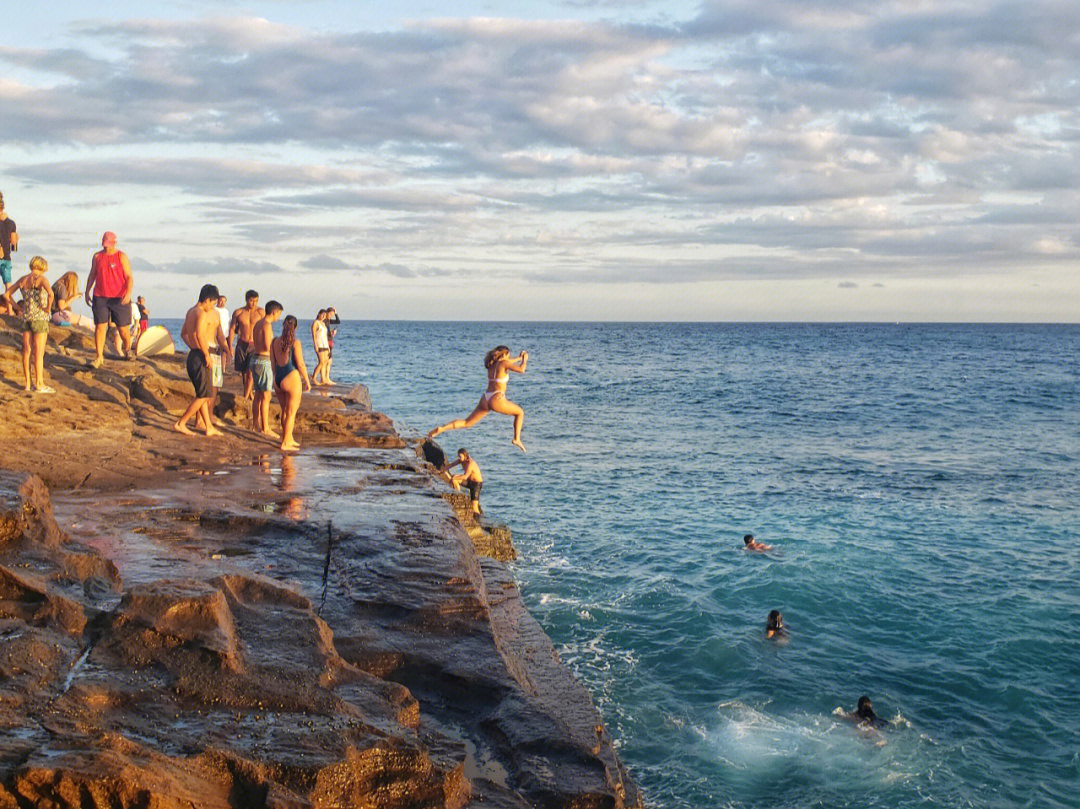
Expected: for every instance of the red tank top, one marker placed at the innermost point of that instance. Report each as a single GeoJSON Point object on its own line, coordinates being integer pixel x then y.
{"type": "Point", "coordinates": [110, 281]}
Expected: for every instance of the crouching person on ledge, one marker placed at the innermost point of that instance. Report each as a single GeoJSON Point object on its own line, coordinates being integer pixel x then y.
{"type": "Point", "coordinates": [470, 476]}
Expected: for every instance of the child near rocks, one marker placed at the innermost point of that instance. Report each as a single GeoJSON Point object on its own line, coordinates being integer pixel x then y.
{"type": "Point", "coordinates": [36, 304]}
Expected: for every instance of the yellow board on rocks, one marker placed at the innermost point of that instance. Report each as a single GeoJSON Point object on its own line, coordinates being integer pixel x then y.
{"type": "Point", "coordinates": [155, 340]}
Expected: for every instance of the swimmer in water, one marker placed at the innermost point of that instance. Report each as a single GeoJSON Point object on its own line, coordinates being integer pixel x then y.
{"type": "Point", "coordinates": [774, 626]}
{"type": "Point", "coordinates": [864, 717]}
{"type": "Point", "coordinates": [751, 544]}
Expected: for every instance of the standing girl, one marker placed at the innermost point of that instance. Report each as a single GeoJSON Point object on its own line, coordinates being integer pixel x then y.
{"type": "Point", "coordinates": [36, 304]}
{"type": "Point", "coordinates": [287, 358]}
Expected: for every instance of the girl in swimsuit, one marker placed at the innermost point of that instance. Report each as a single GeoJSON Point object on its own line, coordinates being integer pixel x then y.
{"type": "Point", "coordinates": [36, 304]}
{"type": "Point", "coordinates": [290, 378]}
{"type": "Point", "coordinates": [498, 364]}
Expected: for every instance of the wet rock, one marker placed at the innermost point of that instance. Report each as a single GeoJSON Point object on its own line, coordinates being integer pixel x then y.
{"type": "Point", "coordinates": [26, 511]}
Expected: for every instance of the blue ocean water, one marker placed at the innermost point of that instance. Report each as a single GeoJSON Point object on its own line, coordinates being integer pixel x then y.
{"type": "Point", "coordinates": [920, 485]}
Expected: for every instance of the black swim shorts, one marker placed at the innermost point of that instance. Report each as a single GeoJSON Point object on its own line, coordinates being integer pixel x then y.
{"type": "Point", "coordinates": [474, 487]}
{"type": "Point", "coordinates": [106, 309]}
{"type": "Point", "coordinates": [199, 375]}
{"type": "Point", "coordinates": [243, 355]}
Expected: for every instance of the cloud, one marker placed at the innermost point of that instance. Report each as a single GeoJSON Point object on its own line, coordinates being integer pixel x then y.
{"type": "Point", "coordinates": [324, 262]}
{"type": "Point", "coordinates": [750, 140]}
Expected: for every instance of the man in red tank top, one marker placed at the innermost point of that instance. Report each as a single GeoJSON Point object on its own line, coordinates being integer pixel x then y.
{"type": "Point", "coordinates": [110, 282]}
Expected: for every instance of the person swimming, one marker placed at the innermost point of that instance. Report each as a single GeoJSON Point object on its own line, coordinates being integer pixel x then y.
{"type": "Point", "coordinates": [751, 544]}
{"type": "Point", "coordinates": [864, 715]}
{"type": "Point", "coordinates": [774, 626]}
{"type": "Point", "coordinates": [498, 364]}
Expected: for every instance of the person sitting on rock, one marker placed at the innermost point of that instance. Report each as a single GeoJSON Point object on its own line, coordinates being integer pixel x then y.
{"type": "Point", "coordinates": [470, 476]}
{"type": "Point", "coordinates": [751, 544]}
{"type": "Point", "coordinates": [36, 303]}
{"type": "Point", "coordinates": [65, 292]}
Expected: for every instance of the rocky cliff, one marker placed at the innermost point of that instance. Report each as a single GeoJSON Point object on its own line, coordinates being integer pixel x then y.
{"type": "Point", "coordinates": [210, 623]}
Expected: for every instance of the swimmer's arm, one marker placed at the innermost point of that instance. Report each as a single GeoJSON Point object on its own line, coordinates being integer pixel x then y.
{"type": "Point", "coordinates": [518, 365]}
{"type": "Point", "coordinates": [448, 465]}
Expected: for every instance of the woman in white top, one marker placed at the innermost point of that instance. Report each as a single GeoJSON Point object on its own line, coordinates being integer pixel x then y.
{"type": "Point", "coordinates": [498, 364]}
{"type": "Point", "coordinates": [322, 350]}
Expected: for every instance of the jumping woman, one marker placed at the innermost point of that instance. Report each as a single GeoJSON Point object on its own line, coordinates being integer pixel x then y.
{"type": "Point", "coordinates": [290, 378]}
{"type": "Point", "coordinates": [498, 364]}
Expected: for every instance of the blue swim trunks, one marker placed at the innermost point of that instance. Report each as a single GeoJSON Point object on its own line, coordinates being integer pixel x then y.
{"type": "Point", "coordinates": [261, 373]}
{"type": "Point", "coordinates": [5, 271]}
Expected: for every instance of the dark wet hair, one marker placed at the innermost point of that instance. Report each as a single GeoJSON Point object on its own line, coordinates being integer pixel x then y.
{"type": "Point", "coordinates": [207, 292]}
{"type": "Point", "coordinates": [288, 333]}
{"type": "Point", "coordinates": [273, 306]}
{"type": "Point", "coordinates": [495, 355]}
{"type": "Point", "coordinates": [463, 451]}
{"type": "Point", "coordinates": [864, 709]}
{"type": "Point", "coordinates": [251, 293]}
{"type": "Point", "coordinates": [747, 539]}
{"type": "Point", "coordinates": [774, 620]}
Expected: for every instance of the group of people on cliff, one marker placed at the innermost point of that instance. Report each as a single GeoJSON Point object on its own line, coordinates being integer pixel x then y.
{"type": "Point", "coordinates": [267, 364]}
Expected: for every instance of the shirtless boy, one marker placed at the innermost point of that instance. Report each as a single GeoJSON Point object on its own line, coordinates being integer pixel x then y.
{"type": "Point", "coordinates": [241, 325]}
{"type": "Point", "coordinates": [261, 369]}
{"type": "Point", "coordinates": [202, 331]}
{"type": "Point", "coordinates": [470, 476]}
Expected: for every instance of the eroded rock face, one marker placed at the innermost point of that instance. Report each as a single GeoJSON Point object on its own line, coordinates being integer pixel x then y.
{"type": "Point", "coordinates": [222, 692]}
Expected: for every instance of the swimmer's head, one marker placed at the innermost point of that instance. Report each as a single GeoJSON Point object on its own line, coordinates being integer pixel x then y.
{"type": "Point", "coordinates": [208, 292]}
{"type": "Point", "coordinates": [251, 295]}
{"type": "Point", "coordinates": [38, 265]}
{"type": "Point", "coordinates": [775, 621]}
{"type": "Point", "coordinates": [321, 315]}
{"type": "Point", "coordinates": [463, 454]}
{"type": "Point", "coordinates": [495, 355]}
{"type": "Point", "coordinates": [747, 539]}
{"type": "Point", "coordinates": [865, 709]}
{"type": "Point", "coordinates": [273, 306]}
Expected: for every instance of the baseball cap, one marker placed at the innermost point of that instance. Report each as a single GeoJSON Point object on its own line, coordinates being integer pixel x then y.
{"type": "Point", "coordinates": [108, 238]}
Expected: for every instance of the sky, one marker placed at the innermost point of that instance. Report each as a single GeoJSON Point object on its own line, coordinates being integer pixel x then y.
{"type": "Point", "coordinates": [734, 160]}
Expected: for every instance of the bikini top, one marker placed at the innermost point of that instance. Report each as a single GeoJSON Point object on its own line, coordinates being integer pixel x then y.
{"type": "Point", "coordinates": [499, 380]}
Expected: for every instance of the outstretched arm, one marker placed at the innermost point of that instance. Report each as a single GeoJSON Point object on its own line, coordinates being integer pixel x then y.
{"type": "Point", "coordinates": [517, 365]}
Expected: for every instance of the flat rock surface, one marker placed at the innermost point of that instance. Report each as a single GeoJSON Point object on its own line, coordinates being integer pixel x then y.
{"type": "Point", "coordinates": [213, 623]}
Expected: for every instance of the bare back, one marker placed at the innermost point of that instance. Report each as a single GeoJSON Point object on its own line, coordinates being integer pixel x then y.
{"type": "Point", "coordinates": [262, 334]}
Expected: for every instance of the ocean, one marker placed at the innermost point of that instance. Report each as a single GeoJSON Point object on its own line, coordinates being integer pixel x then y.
{"type": "Point", "coordinates": [920, 485]}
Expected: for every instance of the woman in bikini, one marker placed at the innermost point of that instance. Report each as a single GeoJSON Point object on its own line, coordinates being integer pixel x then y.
{"type": "Point", "coordinates": [290, 378]}
{"type": "Point", "coordinates": [498, 364]}
{"type": "Point", "coordinates": [36, 303]}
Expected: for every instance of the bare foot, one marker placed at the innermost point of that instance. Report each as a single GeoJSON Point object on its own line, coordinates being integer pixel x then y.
{"type": "Point", "coordinates": [211, 432]}
{"type": "Point", "coordinates": [270, 433]}
{"type": "Point", "coordinates": [182, 428]}
{"type": "Point", "coordinates": [288, 445]}
{"type": "Point", "coordinates": [517, 443]}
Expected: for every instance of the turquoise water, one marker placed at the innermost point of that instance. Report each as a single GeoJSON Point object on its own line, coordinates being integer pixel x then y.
{"type": "Point", "coordinates": [921, 486]}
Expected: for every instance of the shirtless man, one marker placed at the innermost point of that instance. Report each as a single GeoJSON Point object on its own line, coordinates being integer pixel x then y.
{"type": "Point", "coordinates": [751, 544]}
{"type": "Point", "coordinates": [470, 476]}
{"type": "Point", "coordinates": [261, 369]}
{"type": "Point", "coordinates": [202, 331]}
{"type": "Point", "coordinates": [242, 323]}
